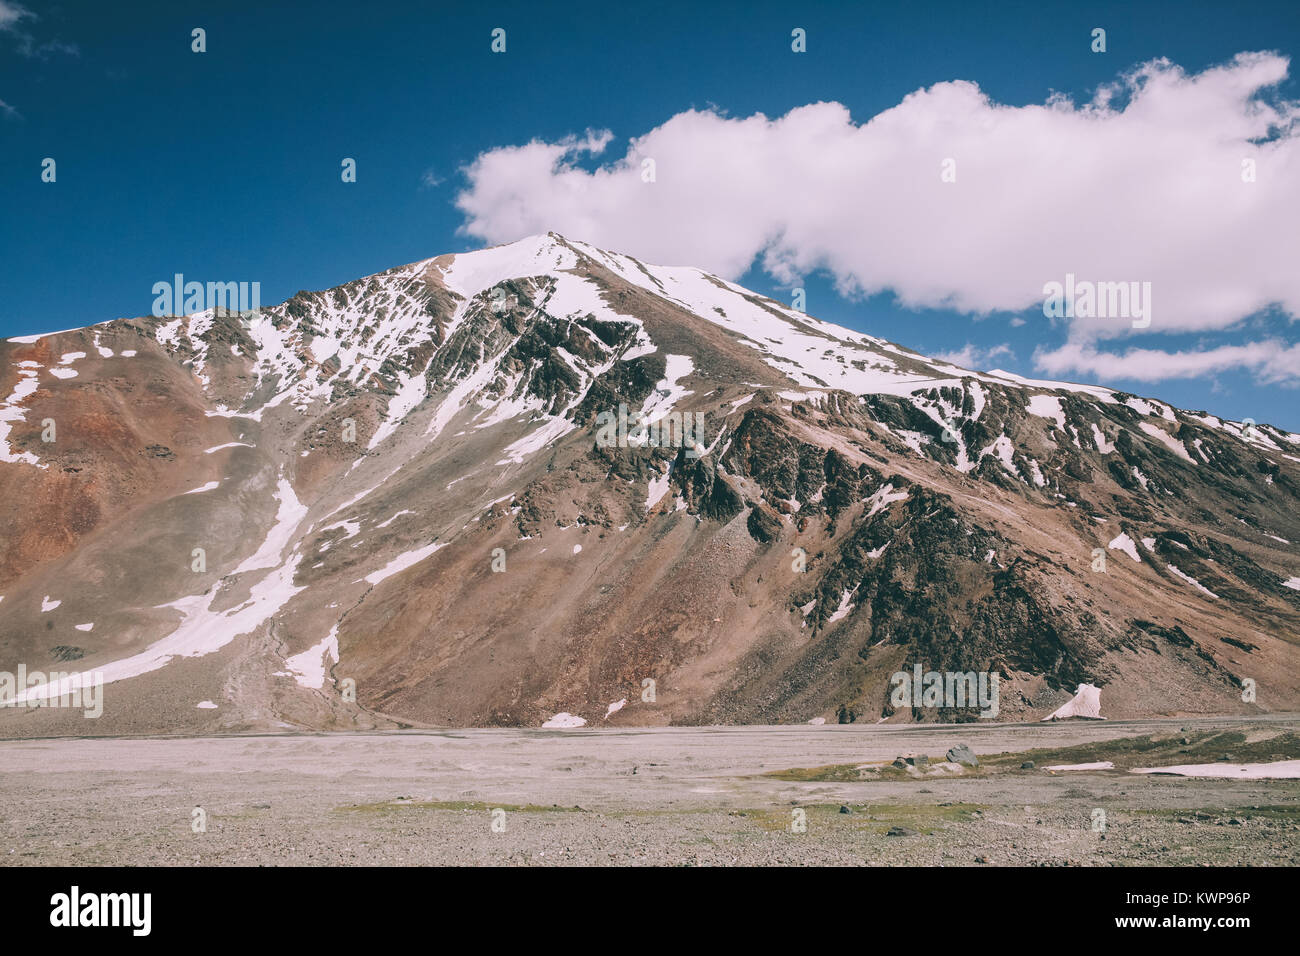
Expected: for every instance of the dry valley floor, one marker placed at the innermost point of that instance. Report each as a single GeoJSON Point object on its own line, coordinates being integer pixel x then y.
{"type": "Point", "coordinates": [663, 796]}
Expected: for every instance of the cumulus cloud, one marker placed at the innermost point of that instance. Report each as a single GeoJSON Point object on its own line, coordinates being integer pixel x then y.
{"type": "Point", "coordinates": [1273, 362]}
{"type": "Point", "coordinates": [972, 356]}
{"type": "Point", "coordinates": [1144, 182]}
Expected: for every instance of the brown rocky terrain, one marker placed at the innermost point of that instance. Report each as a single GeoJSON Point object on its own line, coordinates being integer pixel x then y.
{"type": "Point", "coordinates": [391, 504]}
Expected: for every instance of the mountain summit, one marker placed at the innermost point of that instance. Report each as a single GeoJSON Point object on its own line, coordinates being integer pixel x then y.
{"type": "Point", "coordinates": [547, 483]}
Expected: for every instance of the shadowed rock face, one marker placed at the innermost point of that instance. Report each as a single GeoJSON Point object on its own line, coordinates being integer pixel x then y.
{"type": "Point", "coordinates": [393, 502]}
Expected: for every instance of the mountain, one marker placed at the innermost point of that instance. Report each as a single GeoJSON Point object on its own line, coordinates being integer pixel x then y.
{"type": "Point", "coordinates": [404, 488]}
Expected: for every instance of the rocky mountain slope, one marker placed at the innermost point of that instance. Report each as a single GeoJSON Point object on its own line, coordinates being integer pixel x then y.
{"type": "Point", "coordinates": [393, 503]}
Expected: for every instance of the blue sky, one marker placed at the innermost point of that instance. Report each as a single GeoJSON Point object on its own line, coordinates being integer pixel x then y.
{"type": "Point", "coordinates": [225, 165]}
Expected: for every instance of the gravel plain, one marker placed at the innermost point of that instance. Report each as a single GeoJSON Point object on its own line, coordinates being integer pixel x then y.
{"type": "Point", "coordinates": [786, 795]}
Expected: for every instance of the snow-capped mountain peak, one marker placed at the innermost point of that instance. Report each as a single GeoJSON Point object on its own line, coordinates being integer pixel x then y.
{"type": "Point", "coordinates": [467, 486]}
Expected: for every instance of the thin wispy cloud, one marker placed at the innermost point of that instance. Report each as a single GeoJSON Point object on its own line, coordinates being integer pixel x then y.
{"type": "Point", "coordinates": [1272, 362]}
{"type": "Point", "coordinates": [10, 14]}
{"type": "Point", "coordinates": [973, 356]}
{"type": "Point", "coordinates": [15, 22]}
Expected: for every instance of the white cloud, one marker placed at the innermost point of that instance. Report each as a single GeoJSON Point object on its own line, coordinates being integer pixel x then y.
{"type": "Point", "coordinates": [11, 13]}
{"type": "Point", "coordinates": [1143, 183]}
{"type": "Point", "coordinates": [1273, 362]}
{"type": "Point", "coordinates": [974, 357]}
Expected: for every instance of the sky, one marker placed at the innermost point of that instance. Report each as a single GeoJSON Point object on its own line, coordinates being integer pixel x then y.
{"type": "Point", "coordinates": [923, 171]}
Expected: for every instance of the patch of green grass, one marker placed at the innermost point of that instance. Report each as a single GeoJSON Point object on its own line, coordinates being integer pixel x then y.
{"type": "Point", "coordinates": [875, 818]}
{"type": "Point", "coordinates": [863, 773]}
{"type": "Point", "coordinates": [1125, 753]}
{"type": "Point", "coordinates": [1166, 750]}
{"type": "Point", "coordinates": [830, 773]}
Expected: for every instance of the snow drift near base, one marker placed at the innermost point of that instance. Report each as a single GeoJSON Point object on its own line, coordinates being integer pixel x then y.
{"type": "Point", "coordinates": [1085, 703]}
{"type": "Point", "coordinates": [565, 719]}
{"type": "Point", "coordinates": [1278, 770]}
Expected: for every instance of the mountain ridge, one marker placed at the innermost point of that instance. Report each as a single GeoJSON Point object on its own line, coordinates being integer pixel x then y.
{"type": "Point", "coordinates": [947, 517]}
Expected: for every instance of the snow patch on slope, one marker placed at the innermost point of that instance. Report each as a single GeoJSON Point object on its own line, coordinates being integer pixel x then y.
{"type": "Point", "coordinates": [11, 411]}
{"type": "Point", "coordinates": [310, 667]}
{"type": "Point", "coordinates": [1047, 406]}
{"type": "Point", "coordinates": [1192, 581]}
{"type": "Point", "coordinates": [402, 562]}
{"type": "Point", "coordinates": [1085, 703]}
{"type": "Point", "coordinates": [1126, 544]}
